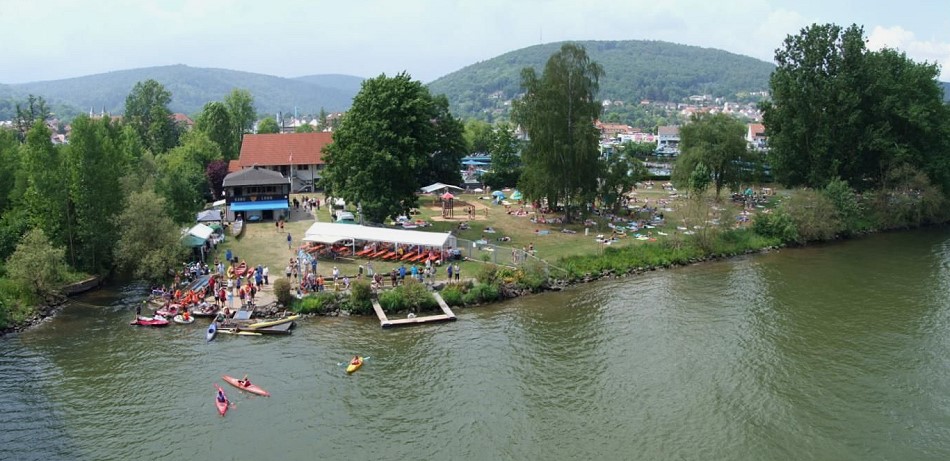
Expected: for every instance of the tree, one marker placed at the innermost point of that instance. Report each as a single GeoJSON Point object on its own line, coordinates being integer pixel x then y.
{"type": "Point", "coordinates": [718, 142]}
{"type": "Point", "coordinates": [148, 245]}
{"type": "Point", "coordinates": [305, 128]}
{"type": "Point", "coordinates": [9, 161]}
{"type": "Point", "coordinates": [619, 173]}
{"type": "Point", "coordinates": [393, 132]}
{"type": "Point", "coordinates": [640, 150]}
{"type": "Point", "coordinates": [558, 112]}
{"type": "Point", "coordinates": [322, 123]}
{"type": "Point", "coordinates": [95, 166]}
{"type": "Point", "coordinates": [215, 121]}
{"type": "Point", "coordinates": [505, 150]}
{"type": "Point", "coordinates": [146, 109]}
{"type": "Point", "coordinates": [215, 173]}
{"type": "Point", "coordinates": [446, 148]}
{"type": "Point", "coordinates": [268, 126]}
{"type": "Point", "coordinates": [44, 196]}
{"type": "Point", "coordinates": [478, 136]}
{"type": "Point", "coordinates": [240, 105]}
{"type": "Point", "coordinates": [182, 180]}
{"type": "Point", "coordinates": [35, 109]}
{"type": "Point", "coordinates": [839, 110]}
{"type": "Point", "coordinates": [37, 265]}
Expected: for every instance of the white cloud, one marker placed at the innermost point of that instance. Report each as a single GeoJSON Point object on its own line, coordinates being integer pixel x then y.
{"type": "Point", "coordinates": [898, 38]}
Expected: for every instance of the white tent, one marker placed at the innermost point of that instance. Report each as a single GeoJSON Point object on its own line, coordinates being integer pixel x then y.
{"type": "Point", "coordinates": [332, 233]}
{"type": "Point", "coordinates": [201, 231]}
{"type": "Point", "coordinates": [218, 203]}
{"type": "Point", "coordinates": [439, 186]}
{"type": "Point", "coordinates": [209, 216]}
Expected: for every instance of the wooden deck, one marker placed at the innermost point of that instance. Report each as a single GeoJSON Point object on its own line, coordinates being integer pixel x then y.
{"type": "Point", "coordinates": [446, 316]}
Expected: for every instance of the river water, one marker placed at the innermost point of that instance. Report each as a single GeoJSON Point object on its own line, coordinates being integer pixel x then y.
{"type": "Point", "coordinates": [836, 352]}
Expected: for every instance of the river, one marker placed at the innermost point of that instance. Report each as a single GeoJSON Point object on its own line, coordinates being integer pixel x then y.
{"type": "Point", "coordinates": [833, 352]}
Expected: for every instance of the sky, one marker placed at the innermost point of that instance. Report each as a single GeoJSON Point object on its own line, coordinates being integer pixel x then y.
{"type": "Point", "coordinates": [53, 39]}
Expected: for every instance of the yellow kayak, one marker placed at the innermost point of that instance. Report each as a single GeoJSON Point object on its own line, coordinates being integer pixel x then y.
{"type": "Point", "coordinates": [354, 366]}
{"type": "Point", "coordinates": [270, 323]}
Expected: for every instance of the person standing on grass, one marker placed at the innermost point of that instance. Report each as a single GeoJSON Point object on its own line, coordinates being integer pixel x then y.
{"type": "Point", "coordinates": [289, 240]}
{"type": "Point", "coordinates": [458, 272]}
{"type": "Point", "coordinates": [449, 270]}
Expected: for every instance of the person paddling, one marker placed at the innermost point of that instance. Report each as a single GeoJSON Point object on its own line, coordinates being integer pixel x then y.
{"type": "Point", "coordinates": [221, 397]}
{"type": "Point", "coordinates": [245, 382]}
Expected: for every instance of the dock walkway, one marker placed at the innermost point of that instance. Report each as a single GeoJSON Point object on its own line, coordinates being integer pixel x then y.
{"type": "Point", "coordinates": [446, 316]}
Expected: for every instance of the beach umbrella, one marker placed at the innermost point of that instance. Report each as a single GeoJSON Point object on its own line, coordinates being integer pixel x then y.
{"type": "Point", "coordinates": [498, 193]}
{"type": "Point", "coordinates": [516, 195]}
{"type": "Point", "coordinates": [447, 196]}
{"type": "Point", "coordinates": [478, 190]}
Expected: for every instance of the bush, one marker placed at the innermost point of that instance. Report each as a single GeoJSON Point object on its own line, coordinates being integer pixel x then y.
{"type": "Point", "coordinates": [849, 209]}
{"type": "Point", "coordinates": [481, 293]}
{"type": "Point", "coordinates": [452, 295]}
{"type": "Point", "coordinates": [533, 276]}
{"type": "Point", "coordinates": [776, 225]}
{"type": "Point", "coordinates": [392, 301]}
{"type": "Point", "coordinates": [282, 292]}
{"type": "Point", "coordinates": [814, 215]}
{"type": "Point", "coordinates": [319, 303]}
{"type": "Point", "coordinates": [361, 294]}
{"type": "Point", "coordinates": [487, 273]}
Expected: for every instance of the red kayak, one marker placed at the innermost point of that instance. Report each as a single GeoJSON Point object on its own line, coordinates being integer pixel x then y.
{"type": "Point", "coordinates": [241, 269]}
{"type": "Point", "coordinates": [150, 322]}
{"type": "Point", "coordinates": [252, 388]}
{"type": "Point", "coordinates": [222, 406]}
{"type": "Point", "coordinates": [170, 311]}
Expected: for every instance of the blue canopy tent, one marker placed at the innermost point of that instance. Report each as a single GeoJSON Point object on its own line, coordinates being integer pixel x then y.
{"type": "Point", "coordinates": [498, 194]}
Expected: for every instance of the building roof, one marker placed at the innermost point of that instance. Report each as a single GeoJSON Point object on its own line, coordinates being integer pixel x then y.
{"type": "Point", "coordinates": [757, 130]}
{"type": "Point", "coordinates": [333, 232]}
{"type": "Point", "coordinates": [283, 149]}
{"type": "Point", "coordinates": [254, 177]}
{"type": "Point", "coordinates": [668, 130]}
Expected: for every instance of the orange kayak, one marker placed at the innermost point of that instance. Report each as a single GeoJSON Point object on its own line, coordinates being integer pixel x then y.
{"type": "Point", "coordinates": [253, 388]}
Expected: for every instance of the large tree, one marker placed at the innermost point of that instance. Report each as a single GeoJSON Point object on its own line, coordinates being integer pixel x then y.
{"type": "Point", "coordinates": [505, 150]}
{"type": "Point", "coordinates": [558, 112]}
{"type": "Point", "coordinates": [45, 192]}
{"type": "Point", "coordinates": [240, 105]}
{"type": "Point", "coordinates": [95, 166]}
{"type": "Point", "coordinates": [9, 161]}
{"type": "Point", "coordinates": [182, 180]}
{"type": "Point", "coordinates": [215, 121]}
{"type": "Point", "coordinates": [718, 142]}
{"type": "Point", "coordinates": [268, 126]}
{"type": "Point", "coordinates": [146, 109]}
{"type": "Point", "coordinates": [840, 110]}
{"type": "Point", "coordinates": [392, 134]}
{"type": "Point", "coordinates": [619, 173]}
{"type": "Point", "coordinates": [447, 146]}
{"type": "Point", "coordinates": [148, 244]}
{"type": "Point", "coordinates": [29, 112]}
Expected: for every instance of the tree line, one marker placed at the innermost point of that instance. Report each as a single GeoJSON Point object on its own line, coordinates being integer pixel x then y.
{"type": "Point", "coordinates": [113, 199]}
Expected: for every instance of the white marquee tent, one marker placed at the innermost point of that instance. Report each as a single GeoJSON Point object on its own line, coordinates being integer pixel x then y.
{"type": "Point", "coordinates": [438, 186]}
{"type": "Point", "coordinates": [332, 232]}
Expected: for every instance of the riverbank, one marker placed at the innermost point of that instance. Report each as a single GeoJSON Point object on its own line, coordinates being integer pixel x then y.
{"type": "Point", "coordinates": [45, 311]}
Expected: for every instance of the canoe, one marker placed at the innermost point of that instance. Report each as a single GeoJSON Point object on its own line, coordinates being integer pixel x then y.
{"type": "Point", "coordinates": [222, 406]}
{"type": "Point", "coordinates": [253, 388]}
{"type": "Point", "coordinates": [351, 367]}
{"type": "Point", "coordinates": [212, 330]}
{"type": "Point", "coordinates": [240, 269]}
{"type": "Point", "coordinates": [150, 321]}
{"type": "Point", "coordinates": [270, 323]}
{"type": "Point", "coordinates": [181, 319]}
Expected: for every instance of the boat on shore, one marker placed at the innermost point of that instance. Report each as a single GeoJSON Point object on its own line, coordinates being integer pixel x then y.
{"type": "Point", "coordinates": [273, 322]}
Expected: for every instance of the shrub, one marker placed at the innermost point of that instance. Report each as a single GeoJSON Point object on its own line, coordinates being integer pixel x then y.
{"type": "Point", "coordinates": [392, 301]}
{"type": "Point", "coordinates": [776, 225]}
{"type": "Point", "coordinates": [849, 209]}
{"type": "Point", "coordinates": [452, 295]}
{"type": "Point", "coordinates": [282, 292]}
{"type": "Point", "coordinates": [319, 303]}
{"type": "Point", "coordinates": [814, 215]}
{"type": "Point", "coordinates": [533, 276]}
{"type": "Point", "coordinates": [416, 296]}
{"type": "Point", "coordinates": [361, 293]}
{"type": "Point", "coordinates": [488, 273]}
{"type": "Point", "coordinates": [481, 293]}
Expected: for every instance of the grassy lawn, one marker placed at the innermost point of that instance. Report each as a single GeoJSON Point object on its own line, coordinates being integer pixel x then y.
{"type": "Point", "coordinates": [263, 243]}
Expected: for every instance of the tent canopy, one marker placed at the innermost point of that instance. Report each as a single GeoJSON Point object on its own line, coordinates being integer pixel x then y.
{"type": "Point", "coordinates": [331, 233]}
{"type": "Point", "coordinates": [439, 186]}
{"type": "Point", "coordinates": [260, 205]}
{"type": "Point", "coordinates": [201, 231]}
{"type": "Point", "coordinates": [192, 241]}
{"type": "Point", "coordinates": [218, 203]}
{"type": "Point", "coordinates": [209, 216]}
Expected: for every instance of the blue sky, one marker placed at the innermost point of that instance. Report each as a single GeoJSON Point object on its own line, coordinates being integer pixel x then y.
{"type": "Point", "coordinates": [52, 39]}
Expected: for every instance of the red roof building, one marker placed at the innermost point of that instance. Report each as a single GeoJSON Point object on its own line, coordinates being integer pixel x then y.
{"type": "Point", "coordinates": [295, 155]}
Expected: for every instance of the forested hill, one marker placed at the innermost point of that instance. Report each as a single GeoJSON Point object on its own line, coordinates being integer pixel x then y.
{"type": "Point", "coordinates": [634, 70]}
{"type": "Point", "coordinates": [191, 88]}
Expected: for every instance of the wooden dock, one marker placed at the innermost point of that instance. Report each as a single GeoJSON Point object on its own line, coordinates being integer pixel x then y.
{"type": "Point", "coordinates": [446, 316]}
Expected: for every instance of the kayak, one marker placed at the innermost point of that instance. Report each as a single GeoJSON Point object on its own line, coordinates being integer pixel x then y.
{"type": "Point", "coordinates": [212, 330]}
{"type": "Point", "coordinates": [238, 331]}
{"type": "Point", "coordinates": [270, 323]}
{"type": "Point", "coordinates": [156, 321]}
{"type": "Point", "coordinates": [222, 406]}
{"type": "Point", "coordinates": [253, 388]}
{"type": "Point", "coordinates": [169, 311]}
{"type": "Point", "coordinates": [181, 319]}
{"type": "Point", "coordinates": [351, 367]}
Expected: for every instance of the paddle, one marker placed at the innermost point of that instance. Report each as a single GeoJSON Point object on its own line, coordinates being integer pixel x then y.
{"type": "Point", "coordinates": [340, 364]}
